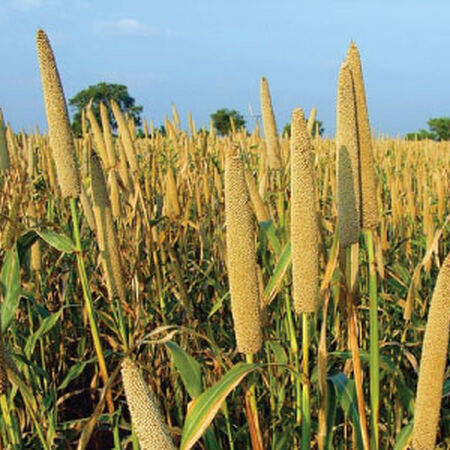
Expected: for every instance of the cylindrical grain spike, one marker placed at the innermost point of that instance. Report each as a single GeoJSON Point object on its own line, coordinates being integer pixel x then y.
{"type": "Point", "coordinates": [98, 136]}
{"type": "Point", "coordinates": [147, 420]}
{"type": "Point", "coordinates": [4, 154]}
{"type": "Point", "coordinates": [258, 205]}
{"type": "Point", "coordinates": [432, 363]}
{"type": "Point", "coordinates": [348, 193]}
{"type": "Point", "coordinates": [241, 256]}
{"type": "Point", "coordinates": [115, 194]}
{"type": "Point", "coordinates": [88, 214]}
{"type": "Point", "coordinates": [304, 225]}
{"type": "Point", "coordinates": [107, 135]}
{"type": "Point", "coordinates": [125, 136]}
{"type": "Point", "coordinates": [61, 139]}
{"type": "Point", "coordinates": [172, 207]}
{"type": "Point", "coordinates": [106, 233]}
{"type": "Point", "coordinates": [270, 127]}
{"type": "Point", "coordinates": [11, 229]}
{"type": "Point", "coordinates": [369, 207]}
{"type": "Point", "coordinates": [311, 120]}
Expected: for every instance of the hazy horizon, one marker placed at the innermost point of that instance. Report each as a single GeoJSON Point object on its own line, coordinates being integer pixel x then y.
{"type": "Point", "coordinates": [203, 56]}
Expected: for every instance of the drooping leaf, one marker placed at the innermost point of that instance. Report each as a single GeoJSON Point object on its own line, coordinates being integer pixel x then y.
{"type": "Point", "coordinates": [188, 368]}
{"type": "Point", "coordinates": [57, 240]}
{"type": "Point", "coordinates": [274, 284]}
{"type": "Point", "coordinates": [10, 286]}
{"type": "Point", "coordinates": [46, 325]}
{"type": "Point", "coordinates": [203, 409]}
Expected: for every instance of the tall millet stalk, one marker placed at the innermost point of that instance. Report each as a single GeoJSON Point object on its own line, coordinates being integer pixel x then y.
{"type": "Point", "coordinates": [369, 221]}
{"type": "Point", "coordinates": [63, 149]}
{"type": "Point", "coordinates": [305, 247]}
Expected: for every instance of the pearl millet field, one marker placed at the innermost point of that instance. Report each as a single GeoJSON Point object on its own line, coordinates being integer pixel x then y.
{"type": "Point", "coordinates": [170, 288]}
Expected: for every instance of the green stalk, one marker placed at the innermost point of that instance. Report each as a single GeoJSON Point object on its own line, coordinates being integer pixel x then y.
{"type": "Point", "coordinates": [374, 349]}
{"type": "Point", "coordinates": [14, 438]}
{"type": "Point", "coordinates": [253, 407]}
{"type": "Point", "coordinates": [294, 356]}
{"type": "Point", "coordinates": [306, 412]}
{"type": "Point", "coordinates": [89, 303]}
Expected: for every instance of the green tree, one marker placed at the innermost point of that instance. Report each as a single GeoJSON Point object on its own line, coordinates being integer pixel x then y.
{"type": "Point", "coordinates": [222, 123]}
{"type": "Point", "coordinates": [318, 127]}
{"type": "Point", "coordinates": [440, 126]}
{"type": "Point", "coordinates": [420, 135]}
{"type": "Point", "coordinates": [104, 92]}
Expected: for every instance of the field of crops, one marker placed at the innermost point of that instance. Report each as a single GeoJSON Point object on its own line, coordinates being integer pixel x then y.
{"type": "Point", "coordinates": [189, 290]}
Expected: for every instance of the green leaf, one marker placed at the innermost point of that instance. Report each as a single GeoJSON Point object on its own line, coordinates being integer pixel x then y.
{"type": "Point", "coordinates": [404, 437]}
{"type": "Point", "coordinates": [188, 368]}
{"type": "Point", "coordinates": [269, 229]}
{"type": "Point", "coordinates": [274, 283]}
{"type": "Point", "coordinates": [10, 286]}
{"type": "Point", "coordinates": [74, 372]}
{"type": "Point", "coordinates": [346, 394]}
{"type": "Point", "coordinates": [57, 240]}
{"type": "Point", "coordinates": [204, 408]}
{"type": "Point", "coordinates": [218, 305]}
{"type": "Point", "coordinates": [46, 325]}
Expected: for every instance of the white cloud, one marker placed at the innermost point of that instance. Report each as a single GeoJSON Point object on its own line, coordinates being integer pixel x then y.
{"type": "Point", "coordinates": [23, 5]}
{"type": "Point", "coordinates": [130, 27]}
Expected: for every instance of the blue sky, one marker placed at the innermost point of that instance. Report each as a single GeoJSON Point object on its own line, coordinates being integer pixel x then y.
{"type": "Point", "coordinates": [208, 54]}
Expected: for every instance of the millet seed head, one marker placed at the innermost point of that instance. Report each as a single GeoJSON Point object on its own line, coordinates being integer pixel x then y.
{"type": "Point", "coordinates": [432, 363]}
{"type": "Point", "coordinates": [304, 225]}
{"type": "Point", "coordinates": [369, 206]}
{"type": "Point", "coordinates": [61, 139]}
{"type": "Point", "coordinates": [241, 256]}
{"type": "Point", "coordinates": [148, 422]}
{"type": "Point", "coordinates": [348, 191]}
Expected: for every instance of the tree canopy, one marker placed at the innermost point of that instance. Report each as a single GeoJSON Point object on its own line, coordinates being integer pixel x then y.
{"type": "Point", "coordinates": [222, 122]}
{"type": "Point", "coordinates": [439, 130]}
{"type": "Point", "coordinates": [104, 92]}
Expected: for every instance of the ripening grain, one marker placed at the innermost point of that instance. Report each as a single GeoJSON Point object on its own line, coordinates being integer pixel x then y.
{"type": "Point", "coordinates": [369, 206]}
{"type": "Point", "coordinates": [348, 192]}
{"type": "Point", "coordinates": [432, 363]}
{"type": "Point", "coordinates": [304, 226]}
{"type": "Point", "coordinates": [270, 127]}
{"type": "Point", "coordinates": [4, 154]}
{"type": "Point", "coordinates": [148, 422]}
{"type": "Point", "coordinates": [61, 140]}
{"type": "Point", "coordinates": [107, 238]}
{"type": "Point", "coordinates": [241, 256]}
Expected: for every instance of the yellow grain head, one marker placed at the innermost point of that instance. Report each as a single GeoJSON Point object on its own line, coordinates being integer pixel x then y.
{"type": "Point", "coordinates": [11, 228]}
{"type": "Point", "coordinates": [369, 206]}
{"type": "Point", "coordinates": [115, 194]}
{"type": "Point", "coordinates": [241, 256]}
{"type": "Point", "coordinates": [147, 420]}
{"type": "Point", "coordinates": [107, 135]}
{"type": "Point", "coordinates": [98, 136]}
{"type": "Point", "coordinates": [4, 154]}
{"type": "Point", "coordinates": [175, 117]}
{"type": "Point", "coordinates": [61, 140]}
{"type": "Point", "coordinates": [258, 205]}
{"type": "Point", "coordinates": [87, 209]}
{"type": "Point", "coordinates": [348, 193]}
{"type": "Point", "coordinates": [312, 120]}
{"type": "Point", "coordinates": [304, 225]}
{"type": "Point", "coordinates": [172, 207]}
{"type": "Point", "coordinates": [106, 233]}
{"type": "Point", "coordinates": [432, 363]}
{"type": "Point", "coordinates": [125, 136]}
{"type": "Point", "coordinates": [270, 127]}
